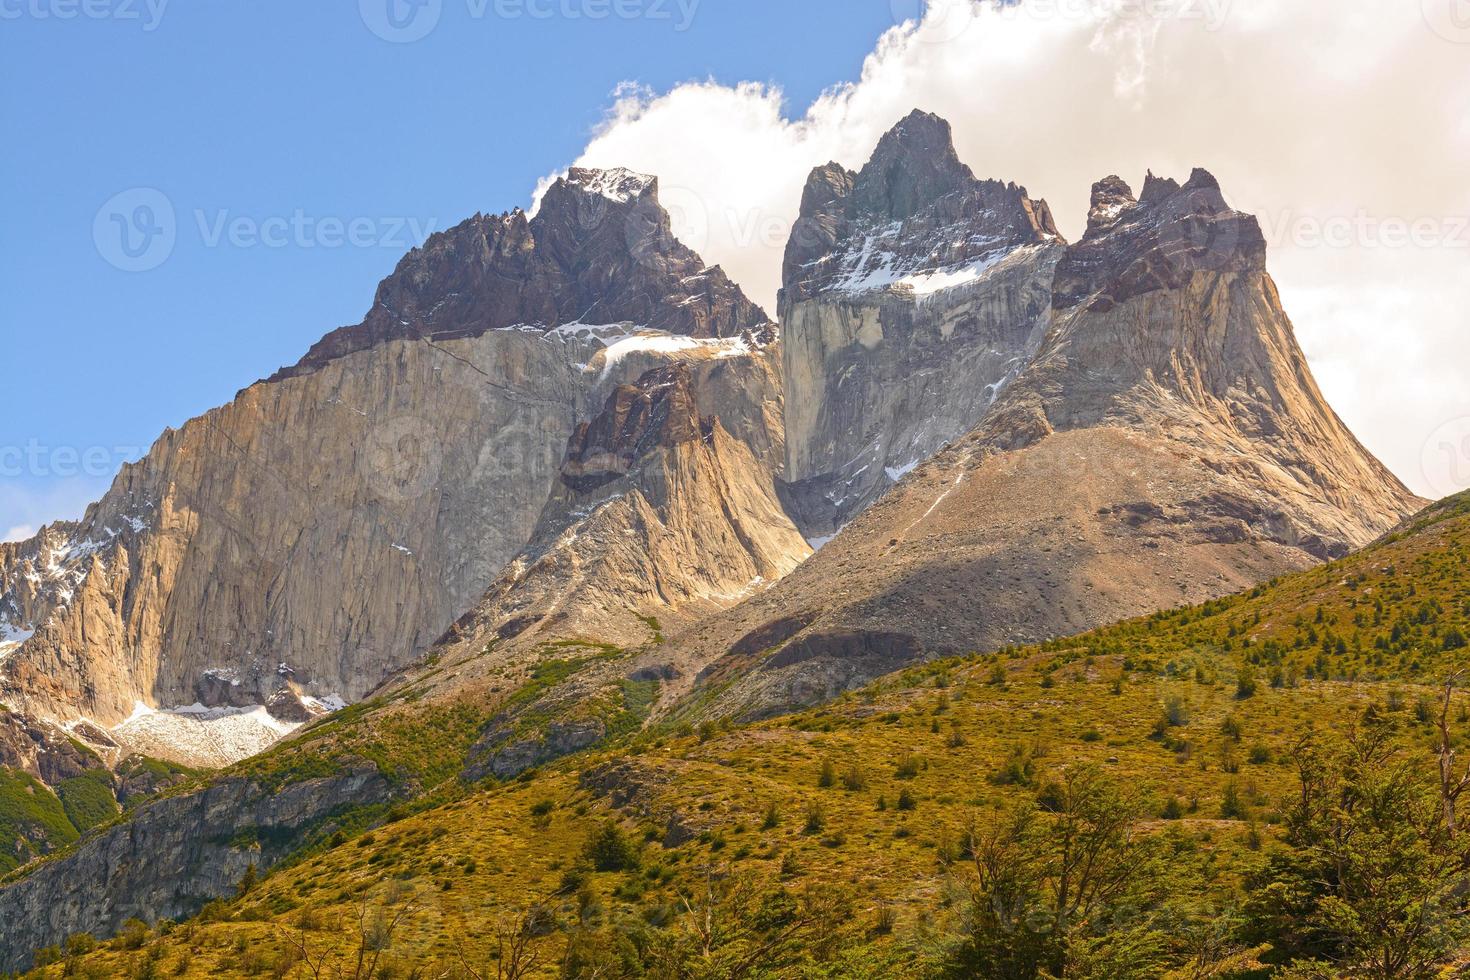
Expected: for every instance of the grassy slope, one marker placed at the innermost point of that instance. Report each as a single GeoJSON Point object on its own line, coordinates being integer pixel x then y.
{"type": "Point", "coordinates": [1378, 628]}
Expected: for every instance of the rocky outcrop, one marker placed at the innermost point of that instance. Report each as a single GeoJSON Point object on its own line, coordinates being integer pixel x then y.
{"type": "Point", "coordinates": [913, 293]}
{"type": "Point", "coordinates": [599, 250]}
{"type": "Point", "coordinates": [1166, 445]}
{"type": "Point", "coordinates": [659, 512]}
{"type": "Point", "coordinates": [324, 528]}
{"type": "Point", "coordinates": [661, 517]}
{"type": "Point", "coordinates": [171, 857]}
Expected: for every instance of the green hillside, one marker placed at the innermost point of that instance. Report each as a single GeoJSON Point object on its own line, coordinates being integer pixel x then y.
{"type": "Point", "coordinates": [1249, 788]}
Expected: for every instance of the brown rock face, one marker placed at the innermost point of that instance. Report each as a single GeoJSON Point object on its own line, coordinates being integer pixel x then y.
{"type": "Point", "coordinates": [661, 519]}
{"type": "Point", "coordinates": [659, 512]}
{"type": "Point", "coordinates": [599, 250]}
{"type": "Point", "coordinates": [1166, 444]}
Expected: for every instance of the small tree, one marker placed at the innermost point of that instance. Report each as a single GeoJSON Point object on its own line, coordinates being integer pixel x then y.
{"type": "Point", "coordinates": [609, 849]}
{"type": "Point", "coordinates": [1245, 682]}
{"type": "Point", "coordinates": [1375, 881]}
{"type": "Point", "coordinates": [1042, 887]}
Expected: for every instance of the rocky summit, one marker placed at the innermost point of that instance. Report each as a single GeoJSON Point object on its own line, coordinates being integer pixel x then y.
{"type": "Point", "coordinates": [566, 492]}
{"type": "Point", "coordinates": [913, 293]}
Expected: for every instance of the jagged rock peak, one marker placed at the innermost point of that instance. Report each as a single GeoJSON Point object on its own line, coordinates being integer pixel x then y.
{"type": "Point", "coordinates": [1157, 242]}
{"type": "Point", "coordinates": [658, 411]}
{"type": "Point", "coordinates": [616, 183]}
{"type": "Point", "coordinates": [828, 184]}
{"type": "Point", "coordinates": [914, 164]}
{"type": "Point", "coordinates": [1156, 189]}
{"type": "Point", "coordinates": [1111, 196]}
{"type": "Point", "coordinates": [600, 249]}
{"type": "Point", "coordinates": [913, 208]}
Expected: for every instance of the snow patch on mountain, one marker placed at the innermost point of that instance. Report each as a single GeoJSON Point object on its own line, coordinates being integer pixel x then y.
{"type": "Point", "coordinates": [198, 736]}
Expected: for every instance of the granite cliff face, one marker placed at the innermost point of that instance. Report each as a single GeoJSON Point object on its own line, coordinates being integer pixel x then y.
{"type": "Point", "coordinates": [325, 527]}
{"type": "Point", "coordinates": [660, 518]}
{"type": "Point", "coordinates": [1166, 445]}
{"type": "Point", "coordinates": [658, 512]}
{"type": "Point", "coordinates": [913, 293]}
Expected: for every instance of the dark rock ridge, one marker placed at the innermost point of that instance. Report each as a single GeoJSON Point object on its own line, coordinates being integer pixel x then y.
{"type": "Point", "coordinates": [659, 410]}
{"type": "Point", "coordinates": [1133, 247]}
{"type": "Point", "coordinates": [171, 857]}
{"type": "Point", "coordinates": [914, 207]}
{"type": "Point", "coordinates": [599, 250]}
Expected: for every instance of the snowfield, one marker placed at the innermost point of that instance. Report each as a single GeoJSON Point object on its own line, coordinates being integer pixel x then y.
{"type": "Point", "coordinates": [200, 736]}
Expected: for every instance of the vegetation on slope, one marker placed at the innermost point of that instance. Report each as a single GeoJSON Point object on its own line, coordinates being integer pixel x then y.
{"type": "Point", "coordinates": [1248, 788]}
{"type": "Point", "coordinates": [32, 819]}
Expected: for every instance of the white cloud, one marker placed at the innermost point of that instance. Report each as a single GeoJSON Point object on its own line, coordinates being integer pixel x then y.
{"type": "Point", "coordinates": [26, 505]}
{"type": "Point", "coordinates": [1346, 125]}
{"type": "Point", "coordinates": [18, 533]}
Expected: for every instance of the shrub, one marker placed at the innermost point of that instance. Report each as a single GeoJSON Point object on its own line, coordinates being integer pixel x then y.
{"type": "Point", "coordinates": [608, 849]}
{"type": "Point", "coordinates": [1019, 769]}
{"type": "Point", "coordinates": [816, 819]}
{"type": "Point", "coordinates": [773, 816]}
{"type": "Point", "coordinates": [1231, 808]}
{"type": "Point", "coordinates": [907, 800]}
{"type": "Point", "coordinates": [132, 935]}
{"type": "Point", "coordinates": [1176, 711]}
{"type": "Point", "coordinates": [1245, 682]}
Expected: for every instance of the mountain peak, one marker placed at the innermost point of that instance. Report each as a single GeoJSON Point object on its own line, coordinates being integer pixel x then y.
{"type": "Point", "coordinates": [914, 164]}
{"type": "Point", "coordinates": [1111, 196]}
{"type": "Point", "coordinates": [1157, 242]}
{"type": "Point", "coordinates": [614, 183]}
{"type": "Point", "coordinates": [600, 249]}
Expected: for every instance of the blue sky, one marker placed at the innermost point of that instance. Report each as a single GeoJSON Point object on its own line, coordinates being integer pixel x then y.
{"type": "Point", "coordinates": [238, 113]}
